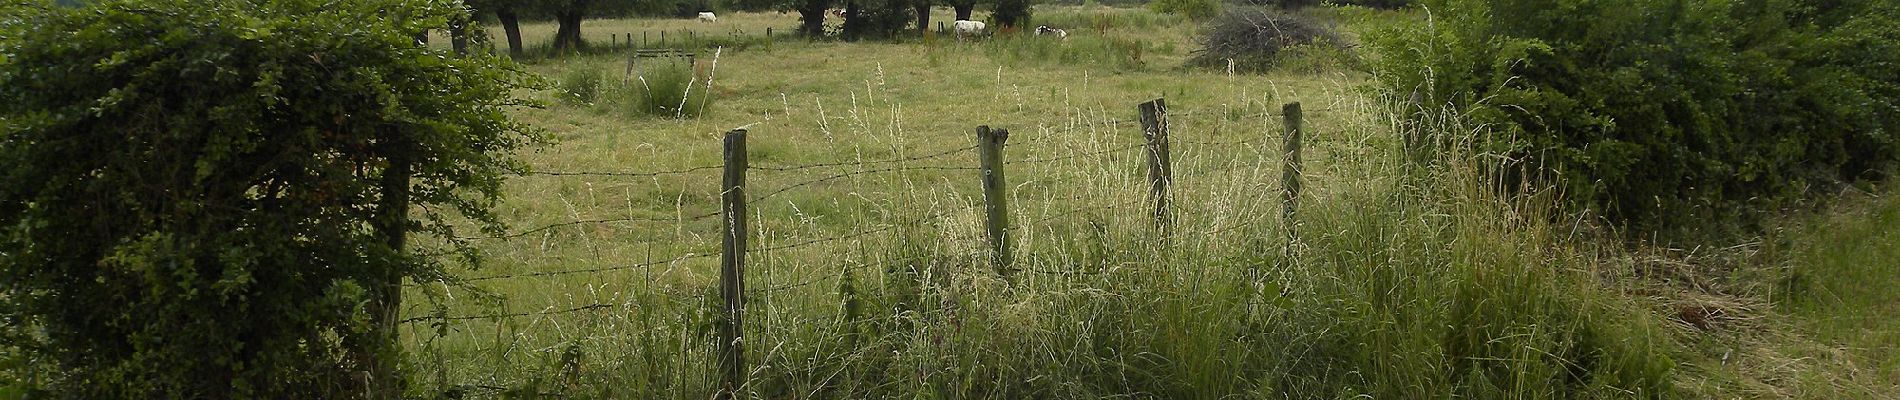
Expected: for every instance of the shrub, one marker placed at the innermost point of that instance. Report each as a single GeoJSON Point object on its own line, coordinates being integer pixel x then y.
{"type": "Point", "coordinates": [1664, 113]}
{"type": "Point", "coordinates": [199, 193]}
{"type": "Point", "coordinates": [1257, 39]}
{"type": "Point", "coordinates": [667, 89]}
{"type": "Point", "coordinates": [582, 84]}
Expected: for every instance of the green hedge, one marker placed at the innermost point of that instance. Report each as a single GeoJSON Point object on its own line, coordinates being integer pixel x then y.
{"type": "Point", "coordinates": [198, 193]}
{"type": "Point", "coordinates": [1662, 114]}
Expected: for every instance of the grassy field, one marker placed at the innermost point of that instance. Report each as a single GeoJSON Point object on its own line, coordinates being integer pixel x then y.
{"type": "Point", "coordinates": [871, 279]}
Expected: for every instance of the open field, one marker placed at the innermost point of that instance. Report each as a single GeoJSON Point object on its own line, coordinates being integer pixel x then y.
{"type": "Point", "coordinates": [870, 276]}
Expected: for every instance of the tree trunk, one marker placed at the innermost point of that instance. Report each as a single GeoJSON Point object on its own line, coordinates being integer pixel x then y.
{"type": "Point", "coordinates": [567, 37]}
{"type": "Point", "coordinates": [923, 17]}
{"type": "Point", "coordinates": [811, 14]}
{"type": "Point", "coordinates": [511, 23]}
{"type": "Point", "coordinates": [963, 10]}
{"type": "Point", "coordinates": [458, 37]}
{"type": "Point", "coordinates": [853, 21]}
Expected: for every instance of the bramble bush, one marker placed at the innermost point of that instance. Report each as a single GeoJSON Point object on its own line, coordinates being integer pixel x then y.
{"type": "Point", "coordinates": [199, 195]}
{"type": "Point", "coordinates": [1257, 39]}
{"type": "Point", "coordinates": [1661, 114]}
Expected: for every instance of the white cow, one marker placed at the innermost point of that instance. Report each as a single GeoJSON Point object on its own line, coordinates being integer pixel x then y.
{"type": "Point", "coordinates": [1046, 30]}
{"type": "Point", "coordinates": [708, 17]}
{"type": "Point", "coordinates": [968, 27]}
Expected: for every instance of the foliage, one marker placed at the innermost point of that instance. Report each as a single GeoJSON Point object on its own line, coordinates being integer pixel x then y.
{"type": "Point", "coordinates": [193, 188]}
{"type": "Point", "coordinates": [667, 89]}
{"type": "Point", "coordinates": [1197, 9]}
{"type": "Point", "coordinates": [1664, 113]}
{"type": "Point", "coordinates": [866, 19]}
{"type": "Point", "coordinates": [1256, 39]}
{"type": "Point", "coordinates": [1012, 14]}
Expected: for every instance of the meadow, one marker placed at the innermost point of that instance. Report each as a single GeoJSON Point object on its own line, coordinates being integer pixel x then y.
{"type": "Point", "coordinates": [870, 275]}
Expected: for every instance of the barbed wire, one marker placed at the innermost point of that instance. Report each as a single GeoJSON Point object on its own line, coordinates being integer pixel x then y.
{"type": "Point", "coordinates": [862, 172]}
{"type": "Point", "coordinates": [506, 315]}
{"type": "Point", "coordinates": [875, 162]}
{"type": "Point", "coordinates": [592, 221]}
{"type": "Point", "coordinates": [684, 257]}
{"type": "Point", "coordinates": [1078, 210]}
{"type": "Point", "coordinates": [624, 174]}
{"type": "Point", "coordinates": [1074, 156]}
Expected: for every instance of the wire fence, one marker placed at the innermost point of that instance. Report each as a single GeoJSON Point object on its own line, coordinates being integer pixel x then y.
{"type": "Point", "coordinates": [806, 176]}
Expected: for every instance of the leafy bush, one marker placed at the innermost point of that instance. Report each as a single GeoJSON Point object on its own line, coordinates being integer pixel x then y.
{"type": "Point", "coordinates": [667, 89]}
{"type": "Point", "coordinates": [1664, 113]}
{"type": "Point", "coordinates": [1257, 39]}
{"type": "Point", "coordinates": [582, 85]}
{"type": "Point", "coordinates": [1197, 9]}
{"type": "Point", "coordinates": [198, 194]}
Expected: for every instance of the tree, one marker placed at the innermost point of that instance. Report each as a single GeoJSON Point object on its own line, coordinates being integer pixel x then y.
{"type": "Point", "coordinates": [922, 8]}
{"type": "Point", "coordinates": [209, 198]}
{"type": "Point", "coordinates": [1012, 14]}
{"type": "Point", "coordinates": [963, 8]}
{"type": "Point", "coordinates": [508, 13]}
{"type": "Point", "coordinates": [567, 17]}
{"type": "Point", "coordinates": [811, 15]}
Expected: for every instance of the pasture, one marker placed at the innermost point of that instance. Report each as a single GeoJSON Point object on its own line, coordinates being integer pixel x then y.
{"type": "Point", "coordinates": [870, 275]}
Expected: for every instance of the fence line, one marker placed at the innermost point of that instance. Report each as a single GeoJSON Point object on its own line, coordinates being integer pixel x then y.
{"type": "Point", "coordinates": [1000, 231]}
{"type": "Point", "coordinates": [1073, 156]}
{"type": "Point", "coordinates": [624, 174]}
{"type": "Point", "coordinates": [862, 172]}
{"type": "Point", "coordinates": [507, 315]}
{"type": "Point", "coordinates": [852, 163]}
{"type": "Point", "coordinates": [552, 226]}
{"type": "Point", "coordinates": [536, 274]}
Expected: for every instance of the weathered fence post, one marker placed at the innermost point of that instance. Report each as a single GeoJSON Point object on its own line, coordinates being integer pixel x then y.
{"type": "Point", "coordinates": [392, 223]}
{"type": "Point", "coordinates": [732, 268]}
{"type": "Point", "coordinates": [1154, 126]}
{"type": "Point", "coordinates": [995, 195]}
{"type": "Point", "coordinates": [644, 43]}
{"type": "Point", "coordinates": [1291, 180]}
{"type": "Point", "coordinates": [613, 40]}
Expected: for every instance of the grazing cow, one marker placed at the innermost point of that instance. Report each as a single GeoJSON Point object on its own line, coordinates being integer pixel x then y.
{"type": "Point", "coordinates": [1046, 30]}
{"type": "Point", "coordinates": [708, 17]}
{"type": "Point", "coordinates": [968, 27]}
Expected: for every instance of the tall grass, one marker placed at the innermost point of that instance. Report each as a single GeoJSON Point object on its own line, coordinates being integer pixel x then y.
{"type": "Point", "coordinates": [666, 88]}
{"type": "Point", "coordinates": [1405, 283]}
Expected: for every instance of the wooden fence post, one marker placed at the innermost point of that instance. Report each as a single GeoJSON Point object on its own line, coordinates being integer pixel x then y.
{"type": "Point", "coordinates": [392, 223]}
{"type": "Point", "coordinates": [732, 268]}
{"type": "Point", "coordinates": [1291, 180]}
{"type": "Point", "coordinates": [995, 195]}
{"type": "Point", "coordinates": [1154, 127]}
